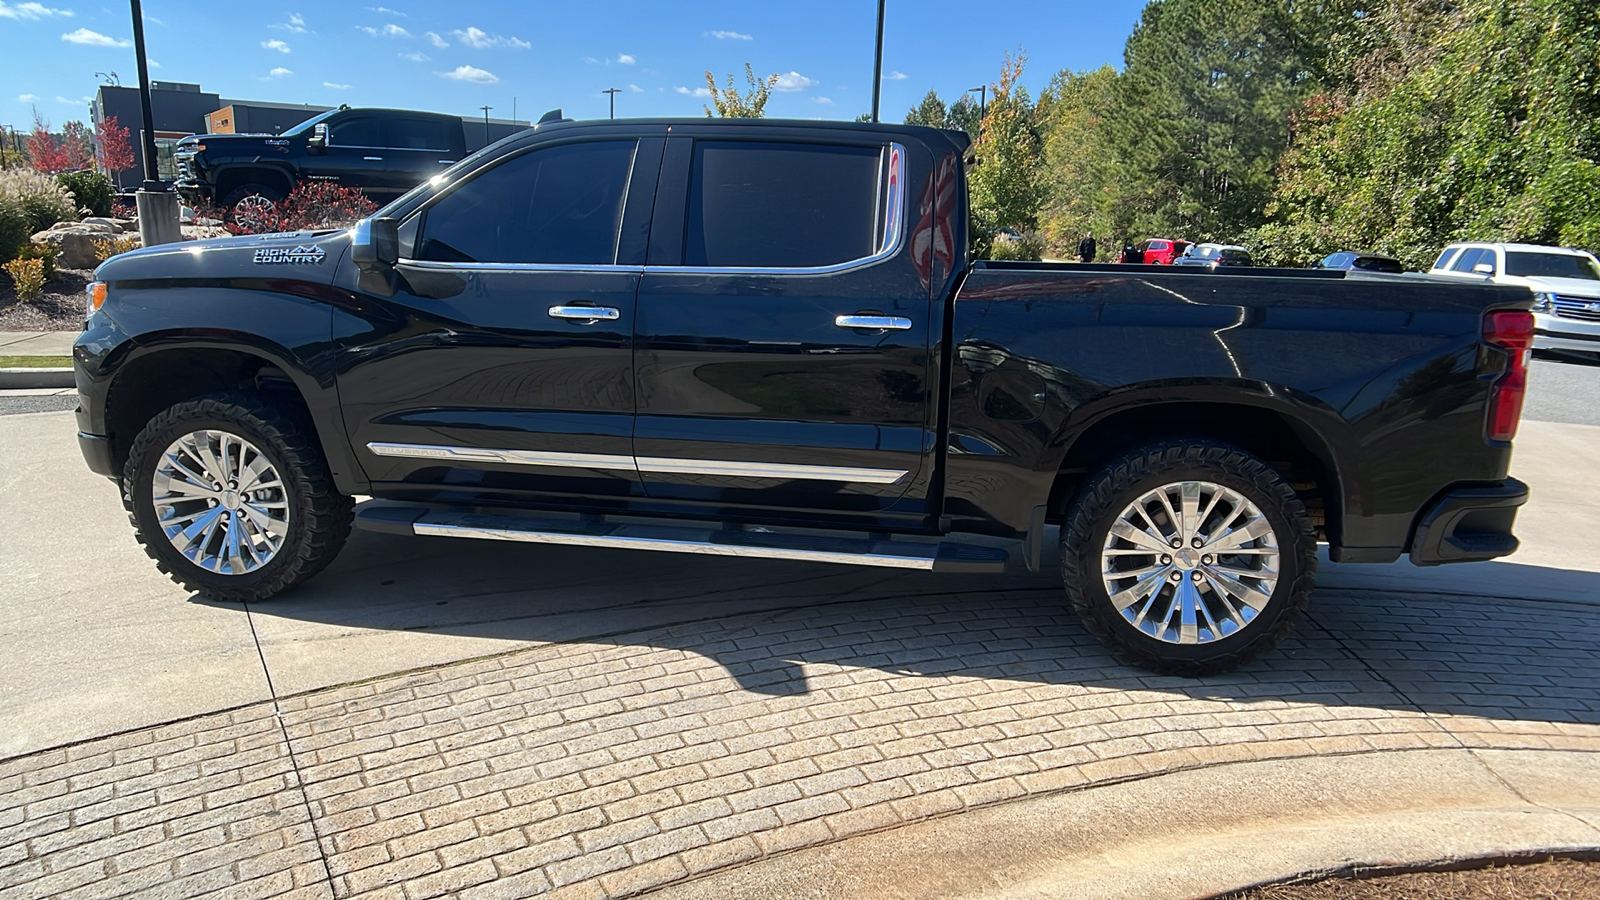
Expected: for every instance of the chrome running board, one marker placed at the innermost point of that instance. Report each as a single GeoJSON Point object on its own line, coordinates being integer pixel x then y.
{"type": "Point", "coordinates": [394, 518]}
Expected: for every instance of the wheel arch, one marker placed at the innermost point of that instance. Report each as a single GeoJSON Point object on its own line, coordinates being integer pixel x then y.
{"type": "Point", "coordinates": [1284, 439]}
{"type": "Point", "coordinates": [228, 178]}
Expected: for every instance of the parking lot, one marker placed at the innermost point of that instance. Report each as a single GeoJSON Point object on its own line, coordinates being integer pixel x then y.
{"type": "Point", "coordinates": [434, 717]}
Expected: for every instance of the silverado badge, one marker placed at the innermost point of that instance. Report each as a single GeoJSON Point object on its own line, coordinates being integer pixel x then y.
{"type": "Point", "coordinates": [299, 255]}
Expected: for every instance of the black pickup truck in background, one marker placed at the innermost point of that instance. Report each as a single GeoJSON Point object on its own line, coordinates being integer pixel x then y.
{"type": "Point", "coordinates": [384, 152]}
{"type": "Point", "coordinates": [766, 339]}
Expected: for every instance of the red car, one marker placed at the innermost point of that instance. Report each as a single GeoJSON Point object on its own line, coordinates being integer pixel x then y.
{"type": "Point", "coordinates": [1160, 251]}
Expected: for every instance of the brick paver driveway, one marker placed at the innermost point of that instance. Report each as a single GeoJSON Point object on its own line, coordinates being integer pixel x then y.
{"type": "Point", "coordinates": [602, 768]}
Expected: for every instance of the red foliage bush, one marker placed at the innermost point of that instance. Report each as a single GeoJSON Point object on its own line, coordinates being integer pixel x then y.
{"type": "Point", "coordinates": [313, 206]}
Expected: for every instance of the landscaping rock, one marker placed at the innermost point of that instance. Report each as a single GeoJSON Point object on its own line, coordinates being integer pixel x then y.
{"type": "Point", "coordinates": [75, 244]}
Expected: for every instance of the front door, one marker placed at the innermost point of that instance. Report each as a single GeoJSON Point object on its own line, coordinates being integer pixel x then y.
{"type": "Point", "coordinates": [505, 363]}
{"type": "Point", "coordinates": [783, 356]}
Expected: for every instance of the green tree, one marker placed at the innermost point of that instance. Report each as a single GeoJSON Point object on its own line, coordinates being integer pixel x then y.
{"type": "Point", "coordinates": [962, 115]}
{"type": "Point", "coordinates": [1077, 173]}
{"type": "Point", "coordinates": [931, 112]}
{"type": "Point", "coordinates": [731, 103]}
{"type": "Point", "coordinates": [1004, 185]}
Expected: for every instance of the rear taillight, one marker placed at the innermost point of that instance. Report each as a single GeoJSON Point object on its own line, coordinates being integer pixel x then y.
{"type": "Point", "coordinates": [1511, 331]}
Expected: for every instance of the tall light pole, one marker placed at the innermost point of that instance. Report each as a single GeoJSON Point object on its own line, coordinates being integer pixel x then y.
{"type": "Point", "coordinates": [877, 65]}
{"type": "Point", "coordinates": [157, 207]}
{"type": "Point", "coordinates": [983, 102]}
{"type": "Point", "coordinates": [613, 92]}
{"type": "Point", "coordinates": [486, 141]}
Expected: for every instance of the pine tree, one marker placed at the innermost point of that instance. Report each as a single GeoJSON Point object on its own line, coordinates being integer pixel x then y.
{"type": "Point", "coordinates": [931, 112]}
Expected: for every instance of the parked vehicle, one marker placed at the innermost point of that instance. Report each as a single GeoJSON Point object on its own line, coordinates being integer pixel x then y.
{"type": "Point", "coordinates": [766, 339]}
{"type": "Point", "coordinates": [1364, 262]}
{"type": "Point", "coordinates": [384, 152]}
{"type": "Point", "coordinates": [1210, 256]}
{"type": "Point", "coordinates": [1160, 251]}
{"type": "Point", "coordinates": [1565, 283]}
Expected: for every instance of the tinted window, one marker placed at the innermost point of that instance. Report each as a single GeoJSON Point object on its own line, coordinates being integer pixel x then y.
{"type": "Point", "coordinates": [558, 205]}
{"type": "Point", "coordinates": [1444, 257]}
{"type": "Point", "coordinates": [356, 131]}
{"type": "Point", "coordinates": [1379, 264]}
{"type": "Point", "coordinates": [1234, 257]}
{"type": "Point", "coordinates": [781, 205]}
{"type": "Point", "coordinates": [1551, 265]}
{"type": "Point", "coordinates": [1469, 258]}
{"type": "Point", "coordinates": [1158, 245]}
{"type": "Point", "coordinates": [417, 134]}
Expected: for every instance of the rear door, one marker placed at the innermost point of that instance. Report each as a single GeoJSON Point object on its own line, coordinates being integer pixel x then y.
{"type": "Point", "coordinates": [783, 329]}
{"type": "Point", "coordinates": [504, 364]}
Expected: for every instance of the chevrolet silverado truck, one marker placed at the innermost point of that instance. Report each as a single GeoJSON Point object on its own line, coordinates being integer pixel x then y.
{"type": "Point", "coordinates": [383, 152]}
{"type": "Point", "coordinates": [766, 339]}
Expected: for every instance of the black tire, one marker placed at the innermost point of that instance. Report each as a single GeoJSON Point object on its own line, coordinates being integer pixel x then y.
{"type": "Point", "coordinates": [230, 203]}
{"type": "Point", "coordinates": [318, 515]}
{"type": "Point", "coordinates": [1115, 488]}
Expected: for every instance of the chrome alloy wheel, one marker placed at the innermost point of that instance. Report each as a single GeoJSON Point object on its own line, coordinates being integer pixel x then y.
{"type": "Point", "coordinates": [1190, 562]}
{"type": "Point", "coordinates": [253, 209]}
{"type": "Point", "coordinates": [221, 502]}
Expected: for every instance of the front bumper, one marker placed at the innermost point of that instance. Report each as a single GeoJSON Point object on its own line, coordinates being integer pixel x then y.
{"type": "Point", "coordinates": [1555, 332]}
{"type": "Point", "coordinates": [96, 449]}
{"type": "Point", "coordinates": [194, 191]}
{"type": "Point", "coordinates": [1469, 524]}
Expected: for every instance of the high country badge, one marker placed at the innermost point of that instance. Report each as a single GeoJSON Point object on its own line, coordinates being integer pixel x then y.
{"type": "Point", "coordinates": [300, 255]}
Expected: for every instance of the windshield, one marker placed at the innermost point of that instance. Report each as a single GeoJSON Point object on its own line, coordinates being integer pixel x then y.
{"type": "Point", "coordinates": [305, 126]}
{"type": "Point", "coordinates": [1551, 265]}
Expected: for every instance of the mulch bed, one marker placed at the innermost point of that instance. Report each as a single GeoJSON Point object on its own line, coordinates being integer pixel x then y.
{"type": "Point", "coordinates": [1559, 879]}
{"type": "Point", "coordinates": [59, 309]}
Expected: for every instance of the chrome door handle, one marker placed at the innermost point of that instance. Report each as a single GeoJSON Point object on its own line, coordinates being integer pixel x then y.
{"type": "Point", "coordinates": [374, 158]}
{"type": "Point", "coordinates": [585, 314]}
{"type": "Point", "coordinates": [880, 323]}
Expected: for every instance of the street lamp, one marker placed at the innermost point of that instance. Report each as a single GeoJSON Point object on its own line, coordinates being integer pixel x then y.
{"type": "Point", "coordinates": [613, 92]}
{"type": "Point", "coordinates": [157, 207]}
{"type": "Point", "coordinates": [486, 141]}
{"type": "Point", "coordinates": [983, 100]}
{"type": "Point", "coordinates": [877, 65]}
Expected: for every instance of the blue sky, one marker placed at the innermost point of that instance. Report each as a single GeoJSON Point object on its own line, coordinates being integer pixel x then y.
{"type": "Point", "coordinates": [459, 55]}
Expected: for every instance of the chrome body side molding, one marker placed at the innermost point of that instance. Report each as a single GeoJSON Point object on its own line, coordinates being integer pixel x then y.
{"type": "Point", "coordinates": [727, 468]}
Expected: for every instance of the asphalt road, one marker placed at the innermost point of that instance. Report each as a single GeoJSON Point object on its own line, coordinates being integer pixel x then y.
{"type": "Point", "coordinates": [1559, 390]}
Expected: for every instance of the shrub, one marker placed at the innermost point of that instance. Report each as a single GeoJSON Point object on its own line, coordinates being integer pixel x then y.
{"type": "Point", "coordinates": [14, 231]}
{"type": "Point", "coordinates": [28, 276]}
{"type": "Point", "coordinates": [1029, 248]}
{"type": "Point", "coordinates": [92, 191]}
{"type": "Point", "coordinates": [313, 206]}
{"type": "Point", "coordinates": [41, 198]}
{"type": "Point", "coordinates": [44, 253]}
{"type": "Point", "coordinates": [107, 247]}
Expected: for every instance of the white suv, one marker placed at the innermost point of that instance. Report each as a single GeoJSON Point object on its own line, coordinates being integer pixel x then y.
{"type": "Point", "coordinates": [1565, 285]}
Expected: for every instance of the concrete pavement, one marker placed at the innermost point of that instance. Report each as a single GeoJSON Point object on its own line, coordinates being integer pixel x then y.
{"type": "Point", "coordinates": [596, 723]}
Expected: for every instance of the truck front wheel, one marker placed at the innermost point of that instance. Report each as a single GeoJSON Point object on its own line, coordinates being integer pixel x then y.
{"type": "Point", "coordinates": [251, 204]}
{"type": "Point", "coordinates": [232, 498]}
{"type": "Point", "coordinates": [1188, 557]}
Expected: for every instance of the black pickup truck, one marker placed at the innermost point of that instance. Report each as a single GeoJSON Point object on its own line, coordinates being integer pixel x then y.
{"type": "Point", "coordinates": [383, 152]}
{"type": "Point", "coordinates": [766, 339]}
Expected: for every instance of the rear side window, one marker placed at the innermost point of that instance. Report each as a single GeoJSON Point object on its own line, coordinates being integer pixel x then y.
{"type": "Point", "coordinates": [417, 134]}
{"type": "Point", "coordinates": [556, 205]}
{"type": "Point", "coordinates": [1379, 264]}
{"type": "Point", "coordinates": [772, 205]}
{"type": "Point", "coordinates": [1444, 258]}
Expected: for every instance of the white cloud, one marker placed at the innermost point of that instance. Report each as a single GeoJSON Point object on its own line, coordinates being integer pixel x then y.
{"type": "Point", "coordinates": [825, 101]}
{"type": "Point", "coordinates": [277, 45]}
{"type": "Point", "coordinates": [27, 98]}
{"type": "Point", "coordinates": [337, 87]}
{"type": "Point", "coordinates": [152, 63]}
{"type": "Point", "coordinates": [470, 73]}
{"type": "Point", "coordinates": [479, 39]}
{"type": "Point", "coordinates": [728, 36]}
{"type": "Point", "coordinates": [896, 76]}
{"type": "Point", "coordinates": [794, 81]}
{"type": "Point", "coordinates": [590, 60]}
{"type": "Point", "coordinates": [416, 56]}
{"type": "Point", "coordinates": [31, 11]}
{"type": "Point", "coordinates": [295, 24]}
{"type": "Point", "coordinates": [386, 11]}
{"type": "Point", "coordinates": [94, 39]}
{"type": "Point", "coordinates": [280, 72]}
{"type": "Point", "coordinates": [626, 59]}
{"type": "Point", "coordinates": [635, 88]}
{"type": "Point", "coordinates": [434, 39]}
{"type": "Point", "coordinates": [697, 92]}
{"type": "Point", "coordinates": [389, 30]}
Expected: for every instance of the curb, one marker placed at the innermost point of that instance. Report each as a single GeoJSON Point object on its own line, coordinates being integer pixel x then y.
{"type": "Point", "coordinates": [20, 378]}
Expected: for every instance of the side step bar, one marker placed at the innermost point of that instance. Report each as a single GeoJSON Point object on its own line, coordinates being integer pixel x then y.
{"type": "Point", "coordinates": [391, 518]}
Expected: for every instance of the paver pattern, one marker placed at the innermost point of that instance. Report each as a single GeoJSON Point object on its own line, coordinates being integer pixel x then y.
{"type": "Point", "coordinates": [603, 768]}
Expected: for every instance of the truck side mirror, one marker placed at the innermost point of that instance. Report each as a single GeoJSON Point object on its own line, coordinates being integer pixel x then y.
{"type": "Point", "coordinates": [318, 142]}
{"type": "Point", "coordinates": [1484, 268]}
{"type": "Point", "coordinates": [376, 244]}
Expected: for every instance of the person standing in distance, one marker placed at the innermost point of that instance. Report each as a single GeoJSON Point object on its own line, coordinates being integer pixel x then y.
{"type": "Point", "coordinates": [1086, 248]}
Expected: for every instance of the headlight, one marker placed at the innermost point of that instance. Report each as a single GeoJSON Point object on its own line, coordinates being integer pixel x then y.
{"type": "Point", "coordinates": [1544, 302]}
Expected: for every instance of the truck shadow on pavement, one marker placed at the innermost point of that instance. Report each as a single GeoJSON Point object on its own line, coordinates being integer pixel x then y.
{"type": "Point", "coordinates": [776, 626]}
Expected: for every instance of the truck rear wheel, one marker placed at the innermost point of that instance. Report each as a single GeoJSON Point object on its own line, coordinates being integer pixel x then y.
{"type": "Point", "coordinates": [232, 498]}
{"type": "Point", "coordinates": [1188, 557]}
{"type": "Point", "coordinates": [250, 204]}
